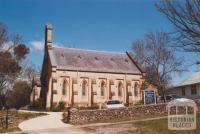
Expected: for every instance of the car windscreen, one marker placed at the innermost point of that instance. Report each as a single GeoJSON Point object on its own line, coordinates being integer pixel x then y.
{"type": "Point", "coordinates": [113, 102]}
{"type": "Point", "coordinates": [176, 96]}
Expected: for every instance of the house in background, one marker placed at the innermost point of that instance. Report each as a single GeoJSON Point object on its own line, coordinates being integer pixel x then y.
{"type": "Point", "coordinates": [189, 88]}
{"type": "Point", "coordinates": [88, 77]}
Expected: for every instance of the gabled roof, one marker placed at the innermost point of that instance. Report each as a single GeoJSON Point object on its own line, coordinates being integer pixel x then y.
{"type": "Point", "coordinates": [92, 61]}
{"type": "Point", "coordinates": [193, 79]}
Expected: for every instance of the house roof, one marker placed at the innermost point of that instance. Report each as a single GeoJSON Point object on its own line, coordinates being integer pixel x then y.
{"type": "Point", "coordinates": [92, 60]}
{"type": "Point", "coordinates": [193, 79]}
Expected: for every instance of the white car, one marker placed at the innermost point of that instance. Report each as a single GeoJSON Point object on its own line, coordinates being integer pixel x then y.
{"type": "Point", "coordinates": [168, 98]}
{"type": "Point", "coordinates": [113, 104]}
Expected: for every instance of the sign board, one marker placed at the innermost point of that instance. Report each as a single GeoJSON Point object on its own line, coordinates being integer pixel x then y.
{"type": "Point", "coordinates": [186, 117]}
{"type": "Point", "coordinates": [149, 97]}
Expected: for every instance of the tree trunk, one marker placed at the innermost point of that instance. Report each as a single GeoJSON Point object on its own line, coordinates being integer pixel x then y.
{"type": "Point", "coordinates": [163, 94]}
{"type": "Point", "coordinates": [6, 117]}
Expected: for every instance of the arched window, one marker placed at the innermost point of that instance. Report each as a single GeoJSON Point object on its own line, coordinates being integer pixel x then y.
{"type": "Point", "coordinates": [84, 88]}
{"type": "Point", "coordinates": [136, 89]}
{"type": "Point", "coordinates": [120, 86]}
{"type": "Point", "coordinates": [65, 85]}
{"type": "Point", "coordinates": [103, 87]}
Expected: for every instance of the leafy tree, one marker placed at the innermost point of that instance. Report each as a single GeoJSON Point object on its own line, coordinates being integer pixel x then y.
{"type": "Point", "coordinates": [159, 60]}
{"type": "Point", "coordinates": [185, 16]}
{"type": "Point", "coordinates": [19, 96]}
{"type": "Point", "coordinates": [12, 53]}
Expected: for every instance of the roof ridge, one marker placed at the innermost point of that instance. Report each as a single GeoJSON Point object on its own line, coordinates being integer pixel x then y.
{"type": "Point", "coordinates": [82, 49]}
{"type": "Point", "coordinates": [190, 78]}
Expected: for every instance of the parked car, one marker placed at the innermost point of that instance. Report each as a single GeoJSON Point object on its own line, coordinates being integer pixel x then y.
{"type": "Point", "coordinates": [113, 104]}
{"type": "Point", "coordinates": [168, 98]}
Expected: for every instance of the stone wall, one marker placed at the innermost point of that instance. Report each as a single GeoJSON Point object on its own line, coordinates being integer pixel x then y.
{"type": "Point", "coordinates": [86, 116]}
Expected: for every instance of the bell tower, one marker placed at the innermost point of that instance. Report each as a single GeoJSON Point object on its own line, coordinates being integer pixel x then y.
{"type": "Point", "coordinates": [48, 36]}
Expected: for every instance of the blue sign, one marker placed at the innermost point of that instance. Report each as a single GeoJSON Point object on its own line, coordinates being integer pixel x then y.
{"type": "Point", "coordinates": [149, 97]}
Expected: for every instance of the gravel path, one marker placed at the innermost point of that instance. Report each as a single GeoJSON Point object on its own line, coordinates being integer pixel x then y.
{"type": "Point", "coordinates": [48, 124]}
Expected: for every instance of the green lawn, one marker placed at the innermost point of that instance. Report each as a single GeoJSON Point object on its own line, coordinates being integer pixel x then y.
{"type": "Point", "coordinates": [22, 117]}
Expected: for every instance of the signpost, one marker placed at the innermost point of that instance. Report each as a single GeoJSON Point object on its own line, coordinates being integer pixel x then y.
{"type": "Point", "coordinates": [149, 97]}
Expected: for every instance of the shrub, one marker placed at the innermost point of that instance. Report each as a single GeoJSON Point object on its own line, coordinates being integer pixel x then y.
{"type": "Point", "coordinates": [37, 104]}
{"type": "Point", "coordinates": [126, 104]}
{"type": "Point", "coordinates": [59, 107]}
{"type": "Point", "coordinates": [93, 107]}
{"type": "Point", "coordinates": [19, 96]}
{"type": "Point", "coordinates": [139, 103]}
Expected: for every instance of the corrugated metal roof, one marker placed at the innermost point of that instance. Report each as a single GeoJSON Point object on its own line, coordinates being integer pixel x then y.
{"type": "Point", "coordinates": [193, 79]}
{"type": "Point", "coordinates": [92, 60]}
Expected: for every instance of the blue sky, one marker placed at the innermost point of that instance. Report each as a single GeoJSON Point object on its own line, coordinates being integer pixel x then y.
{"type": "Point", "coordinates": [110, 25]}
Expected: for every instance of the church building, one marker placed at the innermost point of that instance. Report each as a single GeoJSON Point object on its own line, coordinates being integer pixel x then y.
{"type": "Point", "coordinates": [81, 77]}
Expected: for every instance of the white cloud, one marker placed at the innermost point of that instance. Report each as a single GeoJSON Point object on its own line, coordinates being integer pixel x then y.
{"type": "Point", "coordinates": [37, 45]}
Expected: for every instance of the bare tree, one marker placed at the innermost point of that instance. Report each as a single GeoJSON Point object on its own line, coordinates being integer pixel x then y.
{"type": "Point", "coordinates": [3, 34]}
{"type": "Point", "coordinates": [29, 71]}
{"type": "Point", "coordinates": [185, 16]}
{"type": "Point", "coordinates": [159, 60]}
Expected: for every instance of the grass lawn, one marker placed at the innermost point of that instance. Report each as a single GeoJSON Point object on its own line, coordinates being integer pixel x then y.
{"type": "Point", "coordinates": [138, 117]}
{"type": "Point", "coordinates": [158, 126]}
{"type": "Point", "coordinates": [22, 117]}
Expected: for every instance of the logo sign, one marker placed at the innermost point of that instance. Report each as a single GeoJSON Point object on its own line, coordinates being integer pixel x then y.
{"type": "Point", "coordinates": [149, 97]}
{"type": "Point", "coordinates": [181, 114]}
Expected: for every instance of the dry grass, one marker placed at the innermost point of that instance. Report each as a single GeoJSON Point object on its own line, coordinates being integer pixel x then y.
{"type": "Point", "coordinates": [158, 126]}
{"type": "Point", "coordinates": [137, 117]}
{"type": "Point", "coordinates": [22, 117]}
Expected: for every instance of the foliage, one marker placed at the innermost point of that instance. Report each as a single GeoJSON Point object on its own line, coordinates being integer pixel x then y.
{"type": "Point", "coordinates": [139, 103]}
{"type": "Point", "coordinates": [37, 104]}
{"type": "Point", "coordinates": [12, 53]}
{"type": "Point", "coordinates": [59, 107]}
{"type": "Point", "coordinates": [62, 105]}
{"type": "Point", "coordinates": [159, 60]}
{"type": "Point", "coordinates": [95, 106]}
{"type": "Point", "coordinates": [20, 95]}
{"type": "Point", "coordinates": [185, 16]}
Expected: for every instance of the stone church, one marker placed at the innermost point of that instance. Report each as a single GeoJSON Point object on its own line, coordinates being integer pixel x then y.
{"type": "Point", "coordinates": [81, 77]}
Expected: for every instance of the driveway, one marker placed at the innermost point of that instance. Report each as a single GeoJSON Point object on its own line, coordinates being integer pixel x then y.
{"type": "Point", "coordinates": [48, 124]}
